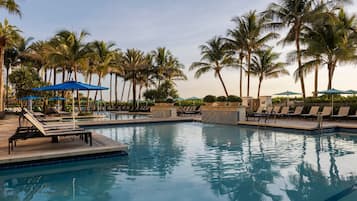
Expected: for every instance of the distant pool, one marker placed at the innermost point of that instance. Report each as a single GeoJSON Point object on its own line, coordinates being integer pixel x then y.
{"type": "Point", "coordinates": [111, 116]}
{"type": "Point", "coordinates": [195, 161]}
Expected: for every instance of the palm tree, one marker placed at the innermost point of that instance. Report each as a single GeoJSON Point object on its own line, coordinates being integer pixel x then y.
{"type": "Point", "coordinates": [9, 34]}
{"type": "Point", "coordinates": [216, 55]}
{"type": "Point", "coordinates": [11, 6]}
{"type": "Point", "coordinates": [105, 56]}
{"type": "Point", "coordinates": [264, 66]}
{"type": "Point", "coordinates": [133, 62]}
{"type": "Point", "coordinates": [294, 14]}
{"type": "Point", "coordinates": [250, 28]}
{"type": "Point", "coordinates": [333, 41]}
{"type": "Point", "coordinates": [14, 56]}
{"type": "Point", "coordinates": [166, 66]}
{"type": "Point", "coordinates": [71, 52]}
{"type": "Point", "coordinates": [236, 42]}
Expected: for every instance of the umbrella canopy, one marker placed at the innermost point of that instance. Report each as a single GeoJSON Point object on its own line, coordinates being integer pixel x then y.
{"type": "Point", "coordinates": [193, 98]}
{"type": "Point", "coordinates": [56, 98]}
{"type": "Point", "coordinates": [351, 91]}
{"type": "Point", "coordinates": [287, 93]}
{"type": "Point", "coordinates": [29, 98]}
{"type": "Point", "coordinates": [332, 92]}
{"type": "Point", "coordinates": [179, 99]}
{"type": "Point", "coordinates": [71, 86]}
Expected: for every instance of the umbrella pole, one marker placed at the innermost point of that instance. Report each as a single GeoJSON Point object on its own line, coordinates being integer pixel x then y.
{"type": "Point", "coordinates": [332, 103]}
{"type": "Point", "coordinates": [74, 121]}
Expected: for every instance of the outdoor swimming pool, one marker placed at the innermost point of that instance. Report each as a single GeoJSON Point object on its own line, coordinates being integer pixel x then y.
{"type": "Point", "coordinates": [195, 161]}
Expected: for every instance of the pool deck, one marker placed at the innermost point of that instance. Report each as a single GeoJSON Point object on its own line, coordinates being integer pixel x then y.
{"type": "Point", "coordinates": [41, 149]}
{"type": "Point", "coordinates": [307, 126]}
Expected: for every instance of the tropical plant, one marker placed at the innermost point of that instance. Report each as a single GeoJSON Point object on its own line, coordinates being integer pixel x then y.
{"type": "Point", "coordinates": [296, 15]}
{"type": "Point", "coordinates": [221, 98]}
{"type": "Point", "coordinates": [9, 34]}
{"type": "Point", "coordinates": [11, 6]}
{"type": "Point", "coordinates": [216, 55]}
{"type": "Point", "coordinates": [233, 98]}
{"type": "Point", "coordinates": [209, 99]}
{"type": "Point", "coordinates": [264, 66]}
{"type": "Point", "coordinates": [133, 62]}
{"type": "Point", "coordinates": [331, 42]}
{"type": "Point", "coordinates": [249, 36]}
{"type": "Point", "coordinates": [71, 52]}
{"type": "Point", "coordinates": [104, 58]}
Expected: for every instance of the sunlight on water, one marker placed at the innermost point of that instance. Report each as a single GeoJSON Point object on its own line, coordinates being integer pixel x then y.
{"type": "Point", "coordinates": [194, 161]}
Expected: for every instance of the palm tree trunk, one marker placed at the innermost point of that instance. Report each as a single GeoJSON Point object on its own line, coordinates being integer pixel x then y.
{"type": "Point", "coordinates": [122, 92]}
{"type": "Point", "coordinates": [78, 98]}
{"type": "Point", "coordinates": [110, 90]}
{"type": "Point", "coordinates": [330, 75]}
{"type": "Point", "coordinates": [54, 75]}
{"type": "Point", "coordinates": [63, 79]}
{"type": "Point", "coordinates": [248, 82]}
{"type": "Point", "coordinates": [96, 91]}
{"type": "Point", "coordinates": [130, 84]}
{"type": "Point", "coordinates": [45, 74]}
{"type": "Point", "coordinates": [224, 86]}
{"type": "Point", "coordinates": [316, 79]}
{"type": "Point", "coordinates": [7, 86]}
{"type": "Point", "coordinates": [88, 93]}
{"type": "Point", "coordinates": [301, 75]}
{"type": "Point", "coordinates": [259, 86]}
{"type": "Point", "coordinates": [134, 90]}
{"type": "Point", "coordinates": [2, 51]}
{"type": "Point", "coordinates": [116, 89]}
{"type": "Point", "coordinates": [50, 76]}
{"type": "Point", "coordinates": [241, 77]}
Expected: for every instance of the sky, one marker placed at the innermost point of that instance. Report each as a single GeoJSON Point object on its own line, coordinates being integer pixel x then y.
{"type": "Point", "coordinates": [179, 25]}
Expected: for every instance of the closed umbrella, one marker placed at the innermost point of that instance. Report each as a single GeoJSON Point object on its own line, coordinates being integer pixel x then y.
{"type": "Point", "coordinates": [332, 92]}
{"type": "Point", "coordinates": [71, 86]}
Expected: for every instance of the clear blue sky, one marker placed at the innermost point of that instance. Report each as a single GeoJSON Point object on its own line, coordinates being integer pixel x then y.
{"type": "Point", "coordinates": [180, 25]}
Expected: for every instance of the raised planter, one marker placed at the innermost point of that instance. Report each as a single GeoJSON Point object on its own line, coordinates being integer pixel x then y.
{"type": "Point", "coordinates": [2, 115]}
{"type": "Point", "coordinates": [163, 110]}
{"type": "Point", "coordinates": [223, 114]}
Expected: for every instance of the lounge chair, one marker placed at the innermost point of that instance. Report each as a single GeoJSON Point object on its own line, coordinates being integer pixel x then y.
{"type": "Point", "coordinates": [342, 112]}
{"type": "Point", "coordinates": [313, 112]}
{"type": "Point", "coordinates": [353, 116]}
{"type": "Point", "coordinates": [297, 112]}
{"type": "Point", "coordinates": [326, 111]}
{"type": "Point", "coordinates": [40, 130]}
{"type": "Point", "coordinates": [284, 112]}
{"type": "Point", "coordinates": [276, 109]}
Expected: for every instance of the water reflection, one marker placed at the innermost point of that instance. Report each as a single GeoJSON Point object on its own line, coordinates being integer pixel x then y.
{"type": "Point", "coordinates": [261, 171]}
{"type": "Point", "coordinates": [198, 162]}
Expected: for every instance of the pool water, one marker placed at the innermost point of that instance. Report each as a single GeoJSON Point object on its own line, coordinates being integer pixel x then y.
{"type": "Point", "coordinates": [195, 161]}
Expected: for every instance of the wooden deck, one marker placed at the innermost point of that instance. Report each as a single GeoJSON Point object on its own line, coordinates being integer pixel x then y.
{"type": "Point", "coordinates": [42, 148]}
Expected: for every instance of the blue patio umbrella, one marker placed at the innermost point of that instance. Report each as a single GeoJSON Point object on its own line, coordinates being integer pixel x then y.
{"type": "Point", "coordinates": [71, 86]}
{"type": "Point", "coordinates": [287, 94]}
{"type": "Point", "coordinates": [29, 100]}
{"type": "Point", "coordinates": [351, 91]}
{"type": "Point", "coordinates": [332, 92]}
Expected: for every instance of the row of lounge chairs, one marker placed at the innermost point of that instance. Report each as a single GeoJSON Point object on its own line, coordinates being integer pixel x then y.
{"type": "Point", "coordinates": [277, 111]}
{"type": "Point", "coordinates": [141, 108]}
{"type": "Point", "coordinates": [40, 129]}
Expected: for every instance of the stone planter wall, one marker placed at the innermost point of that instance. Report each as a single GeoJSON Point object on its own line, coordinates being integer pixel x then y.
{"type": "Point", "coordinates": [223, 114]}
{"type": "Point", "coordinates": [163, 110]}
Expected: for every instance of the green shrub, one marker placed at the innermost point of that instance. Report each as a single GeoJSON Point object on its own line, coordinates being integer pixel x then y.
{"type": "Point", "coordinates": [221, 99]}
{"type": "Point", "coordinates": [233, 98]}
{"type": "Point", "coordinates": [209, 99]}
